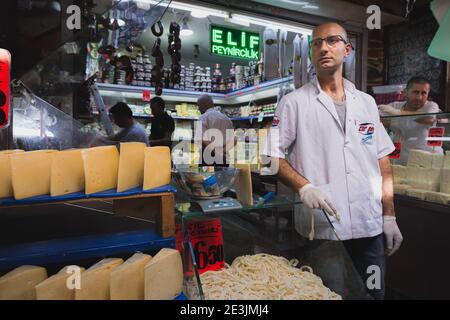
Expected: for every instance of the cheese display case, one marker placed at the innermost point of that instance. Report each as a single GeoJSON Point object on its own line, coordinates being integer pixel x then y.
{"type": "Point", "coordinates": [421, 172]}
{"type": "Point", "coordinates": [421, 161]}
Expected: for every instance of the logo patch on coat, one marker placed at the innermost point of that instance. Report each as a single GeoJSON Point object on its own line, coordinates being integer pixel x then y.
{"type": "Point", "coordinates": [366, 130]}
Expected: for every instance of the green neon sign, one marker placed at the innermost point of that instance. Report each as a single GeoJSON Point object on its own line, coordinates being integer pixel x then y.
{"type": "Point", "coordinates": [234, 43]}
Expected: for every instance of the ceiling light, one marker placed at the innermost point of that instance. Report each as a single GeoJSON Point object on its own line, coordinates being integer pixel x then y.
{"type": "Point", "coordinates": [239, 21]}
{"type": "Point", "coordinates": [310, 6]}
{"type": "Point", "coordinates": [273, 24]}
{"type": "Point", "coordinates": [301, 3]}
{"type": "Point", "coordinates": [199, 14]}
{"type": "Point", "coordinates": [185, 30]}
{"type": "Point", "coordinates": [190, 7]}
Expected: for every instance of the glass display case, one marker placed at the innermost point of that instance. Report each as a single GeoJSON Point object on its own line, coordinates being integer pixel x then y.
{"type": "Point", "coordinates": [260, 255]}
{"type": "Point", "coordinates": [421, 162]}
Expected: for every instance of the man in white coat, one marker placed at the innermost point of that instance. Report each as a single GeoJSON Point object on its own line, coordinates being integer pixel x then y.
{"type": "Point", "coordinates": [338, 159]}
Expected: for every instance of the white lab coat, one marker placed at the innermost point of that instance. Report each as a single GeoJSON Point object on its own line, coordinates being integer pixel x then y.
{"type": "Point", "coordinates": [344, 165]}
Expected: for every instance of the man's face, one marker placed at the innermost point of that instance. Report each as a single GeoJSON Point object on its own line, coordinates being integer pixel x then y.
{"type": "Point", "coordinates": [417, 95]}
{"type": "Point", "coordinates": [328, 57]}
{"type": "Point", "coordinates": [119, 121]}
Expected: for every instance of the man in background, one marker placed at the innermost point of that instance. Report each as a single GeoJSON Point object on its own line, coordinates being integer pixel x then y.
{"type": "Point", "coordinates": [162, 124]}
{"type": "Point", "coordinates": [412, 131]}
{"type": "Point", "coordinates": [131, 131]}
{"type": "Point", "coordinates": [214, 132]}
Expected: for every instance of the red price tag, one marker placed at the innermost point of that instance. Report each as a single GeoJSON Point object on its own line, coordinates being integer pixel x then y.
{"type": "Point", "coordinates": [436, 132]}
{"type": "Point", "coordinates": [5, 65]}
{"type": "Point", "coordinates": [207, 244]}
{"type": "Point", "coordinates": [146, 95]}
{"type": "Point", "coordinates": [239, 93]}
{"type": "Point", "coordinates": [396, 153]}
{"type": "Point", "coordinates": [257, 88]}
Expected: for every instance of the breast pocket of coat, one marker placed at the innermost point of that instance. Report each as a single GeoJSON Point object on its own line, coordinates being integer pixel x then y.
{"type": "Point", "coordinates": [366, 131]}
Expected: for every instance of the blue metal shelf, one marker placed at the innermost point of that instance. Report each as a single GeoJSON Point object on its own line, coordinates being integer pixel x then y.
{"type": "Point", "coordinates": [70, 250]}
{"type": "Point", "coordinates": [81, 196]}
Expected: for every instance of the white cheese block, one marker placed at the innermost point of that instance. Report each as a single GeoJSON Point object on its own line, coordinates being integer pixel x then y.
{"type": "Point", "coordinates": [55, 287]}
{"type": "Point", "coordinates": [438, 197]}
{"type": "Point", "coordinates": [157, 167]}
{"type": "Point", "coordinates": [6, 189]}
{"type": "Point", "coordinates": [30, 173]}
{"type": "Point", "coordinates": [164, 275]}
{"type": "Point", "coordinates": [67, 173]}
{"type": "Point", "coordinates": [445, 175]}
{"type": "Point", "coordinates": [401, 188]}
{"type": "Point", "coordinates": [419, 158]}
{"type": "Point", "coordinates": [399, 171]}
{"type": "Point", "coordinates": [445, 187]}
{"type": "Point", "coordinates": [422, 178]}
{"type": "Point", "coordinates": [131, 166]}
{"type": "Point", "coordinates": [417, 193]}
{"type": "Point", "coordinates": [425, 159]}
{"type": "Point", "coordinates": [95, 280]}
{"type": "Point", "coordinates": [446, 164]}
{"type": "Point", "coordinates": [127, 280]}
{"type": "Point", "coordinates": [19, 283]}
{"type": "Point", "coordinates": [101, 165]}
{"type": "Point", "coordinates": [243, 184]}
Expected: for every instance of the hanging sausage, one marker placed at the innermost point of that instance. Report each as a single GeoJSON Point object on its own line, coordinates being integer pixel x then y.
{"type": "Point", "coordinates": [159, 59]}
{"type": "Point", "coordinates": [174, 52]}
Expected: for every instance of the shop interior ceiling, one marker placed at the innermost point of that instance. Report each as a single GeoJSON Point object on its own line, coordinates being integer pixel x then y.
{"type": "Point", "coordinates": [350, 11]}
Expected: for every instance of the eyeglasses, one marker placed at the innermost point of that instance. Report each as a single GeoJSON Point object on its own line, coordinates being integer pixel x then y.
{"type": "Point", "coordinates": [331, 41]}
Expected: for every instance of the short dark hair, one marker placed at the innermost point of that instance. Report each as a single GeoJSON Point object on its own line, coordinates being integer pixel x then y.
{"type": "Point", "coordinates": [415, 80]}
{"type": "Point", "coordinates": [121, 109]}
{"type": "Point", "coordinates": [159, 102]}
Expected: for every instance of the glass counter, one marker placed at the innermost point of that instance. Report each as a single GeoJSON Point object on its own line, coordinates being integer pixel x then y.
{"type": "Point", "coordinates": [421, 162]}
{"type": "Point", "coordinates": [262, 235]}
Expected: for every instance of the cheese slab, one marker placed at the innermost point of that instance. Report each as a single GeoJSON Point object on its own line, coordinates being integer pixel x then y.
{"type": "Point", "coordinates": [445, 187]}
{"type": "Point", "coordinates": [425, 159]}
{"type": "Point", "coordinates": [423, 178]}
{"type": "Point", "coordinates": [131, 166]}
{"type": "Point", "coordinates": [101, 165]}
{"type": "Point", "coordinates": [399, 171]}
{"type": "Point", "coordinates": [157, 167]}
{"type": "Point", "coordinates": [127, 280]}
{"type": "Point", "coordinates": [401, 188]}
{"type": "Point", "coordinates": [55, 287]}
{"type": "Point", "coordinates": [243, 184]}
{"type": "Point", "coordinates": [95, 280]}
{"type": "Point", "coordinates": [164, 275]}
{"type": "Point", "coordinates": [446, 163]}
{"type": "Point", "coordinates": [417, 193]}
{"type": "Point", "coordinates": [19, 283]}
{"type": "Point", "coordinates": [6, 189]}
{"type": "Point", "coordinates": [438, 197]}
{"type": "Point", "coordinates": [67, 172]}
{"type": "Point", "coordinates": [30, 173]}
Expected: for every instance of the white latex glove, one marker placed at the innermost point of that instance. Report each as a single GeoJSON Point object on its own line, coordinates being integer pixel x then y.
{"type": "Point", "coordinates": [392, 233]}
{"type": "Point", "coordinates": [314, 198]}
{"type": "Point", "coordinates": [389, 110]}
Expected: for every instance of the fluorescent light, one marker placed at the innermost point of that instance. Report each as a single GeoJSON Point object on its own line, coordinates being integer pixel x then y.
{"type": "Point", "coordinates": [310, 6]}
{"type": "Point", "coordinates": [186, 32]}
{"type": "Point", "coordinates": [272, 24]}
{"type": "Point", "coordinates": [190, 7]}
{"type": "Point", "coordinates": [242, 22]}
{"type": "Point", "coordinates": [199, 14]}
